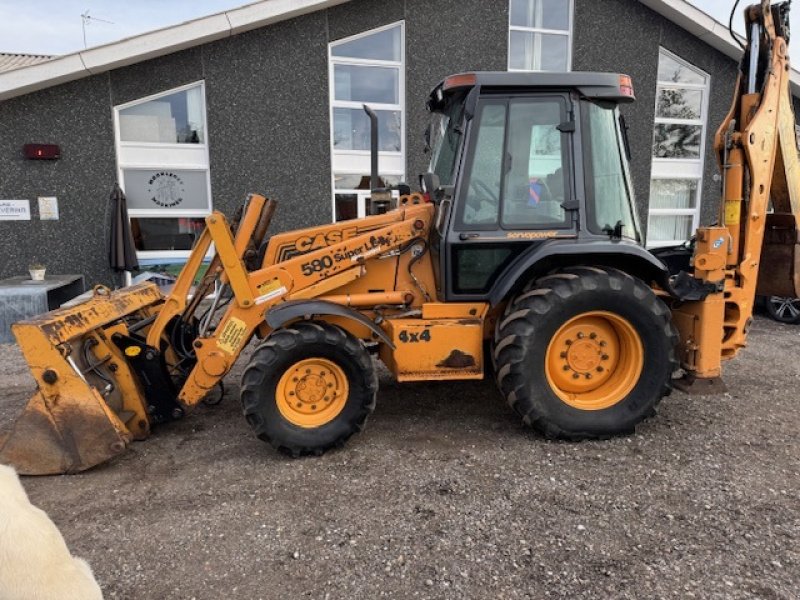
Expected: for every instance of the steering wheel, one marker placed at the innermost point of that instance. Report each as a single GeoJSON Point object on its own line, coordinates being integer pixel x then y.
{"type": "Point", "coordinates": [481, 186]}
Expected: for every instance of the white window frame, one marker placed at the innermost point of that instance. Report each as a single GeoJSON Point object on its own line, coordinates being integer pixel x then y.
{"type": "Point", "coordinates": [157, 155]}
{"type": "Point", "coordinates": [358, 161]}
{"type": "Point", "coordinates": [681, 168]}
{"type": "Point", "coordinates": [567, 33]}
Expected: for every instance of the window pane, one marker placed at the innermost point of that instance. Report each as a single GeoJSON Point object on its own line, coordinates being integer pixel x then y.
{"type": "Point", "coordinates": [554, 52]}
{"type": "Point", "coordinates": [176, 118]}
{"type": "Point", "coordinates": [534, 188]}
{"type": "Point", "coordinates": [166, 234]}
{"type": "Point", "coordinates": [673, 193]}
{"type": "Point", "coordinates": [679, 104]}
{"type": "Point", "coordinates": [477, 268]}
{"type": "Point", "coordinates": [482, 196]}
{"type": "Point", "coordinates": [384, 45]}
{"type": "Point", "coordinates": [670, 69]}
{"type": "Point", "coordinates": [357, 181]}
{"type": "Point", "coordinates": [171, 189]}
{"type": "Point", "coordinates": [668, 228]}
{"type": "Point", "coordinates": [677, 141]}
{"type": "Point", "coordinates": [610, 200]}
{"type": "Point", "coordinates": [538, 51]}
{"type": "Point", "coordinates": [351, 129]}
{"type": "Point", "coordinates": [346, 206]}
{"type": "Point", "coordinates": [545, 14]}
{"type": "Point", "coordinates": [367, 84]}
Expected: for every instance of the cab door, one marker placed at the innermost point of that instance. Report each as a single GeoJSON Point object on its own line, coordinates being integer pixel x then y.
{"type": "Point", "coordinates": [516, 188]}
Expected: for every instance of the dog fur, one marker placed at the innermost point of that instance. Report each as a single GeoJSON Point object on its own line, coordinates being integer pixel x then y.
{"type": "Point", "coordinates": [35, 563]}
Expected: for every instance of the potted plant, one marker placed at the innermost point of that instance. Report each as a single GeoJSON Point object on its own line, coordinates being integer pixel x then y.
{"type": "Point", "coordinates": [37, 271]}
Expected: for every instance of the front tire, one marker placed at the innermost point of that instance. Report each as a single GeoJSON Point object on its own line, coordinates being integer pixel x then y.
{"type": "Point", "coordinates": [308, 388]}
{"type": "Point", "coordinates": [585, 353]}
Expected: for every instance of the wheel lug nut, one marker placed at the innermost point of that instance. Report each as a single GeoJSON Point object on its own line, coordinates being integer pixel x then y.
{"type": "Point", "coordinates": [299, 405]}
{"type": "Point", "coordinates": [575, 375]}
{"type": "Point", "coordinates": [291, 393]}
{"type": "Point", "coordinates": [330, 385]}
{"type": "Point", "coordinates": [593, 335]}
{"type": "Point", "coordinates": [588, 375]}
{"type": "Point", "coordinates": [604, 357]}
{"type": "Point", "coordinates": [294, 379]}
{"type": "Point", "coordinates": [308, 371]}
{"type": "Point", "coordinates": [568, 342]}
{"type": "Point", "coordinates": [602, 344]}
{"type": "Point", "coordinates": [600, 369]}
{"type": "Point", "coordinates": [566, 367]}
{"type": "Point", "coordinates": [563, 355]}
{"type": "Point", "coordinates": [313, 407]}
{"type": "Point", "coordinates": [580, 335]}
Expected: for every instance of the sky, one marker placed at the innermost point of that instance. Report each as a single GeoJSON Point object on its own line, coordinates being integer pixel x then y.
{"type": "Point", "coordinates": [55, 26]}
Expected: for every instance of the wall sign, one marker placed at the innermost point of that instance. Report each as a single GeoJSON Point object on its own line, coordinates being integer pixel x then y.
{"type": "Point", "coordinates": [166, 189]}
{"type": "Point", "coordinates": [48, 208]}
{"type": "Point", "coordinates": [15, 210]}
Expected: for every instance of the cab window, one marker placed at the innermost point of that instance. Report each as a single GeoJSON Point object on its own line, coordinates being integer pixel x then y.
{"type": "Point", "coordinates": [485, 168]}
{"type": "Point", "coordinates": [516, 176]}
{"type": "Point", "coordinates": [534, 185]}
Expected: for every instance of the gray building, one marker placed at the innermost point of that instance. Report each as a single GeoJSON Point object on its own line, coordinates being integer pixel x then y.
{"type": "Point", "coordinates": [267, 98]}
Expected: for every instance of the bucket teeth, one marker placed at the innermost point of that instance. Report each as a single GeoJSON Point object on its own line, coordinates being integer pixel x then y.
{"type": "Point", "coordinates": [63, 434]}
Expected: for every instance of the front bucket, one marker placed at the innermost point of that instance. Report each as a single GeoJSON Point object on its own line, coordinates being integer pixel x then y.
{"type": "Point", "coordinates": [63, 434]}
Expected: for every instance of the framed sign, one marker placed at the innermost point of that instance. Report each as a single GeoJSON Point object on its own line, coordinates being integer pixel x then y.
{"type": "Point", "coordinates": [15, 210]}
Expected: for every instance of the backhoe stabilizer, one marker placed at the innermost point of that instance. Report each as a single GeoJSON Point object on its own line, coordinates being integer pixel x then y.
{"type": "Point", "coordinates": [88, 406]}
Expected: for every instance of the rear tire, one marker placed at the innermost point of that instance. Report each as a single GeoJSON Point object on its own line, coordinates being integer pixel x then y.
{"type": "Point", "coordinates": [585, 353]}
{"type": "Point", "coordinates": [308, 388]}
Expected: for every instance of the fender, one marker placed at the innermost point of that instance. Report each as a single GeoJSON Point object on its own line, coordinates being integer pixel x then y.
{"type": "Point", "coordinates": [541, 258]}
{"type": "Point", "coordinates": [303, 309]}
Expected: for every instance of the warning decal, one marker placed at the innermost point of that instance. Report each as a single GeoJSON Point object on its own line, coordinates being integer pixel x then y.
{"type": "Point", "coordinates": [232, 335]}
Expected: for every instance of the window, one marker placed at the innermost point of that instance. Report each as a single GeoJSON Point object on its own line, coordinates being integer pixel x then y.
{"type": "Point", "coordinates": [609, 201]}
{"type": "Point", "coordinates": [366, 69]}
{"type": "Point", "coordinates": [678, 146]}
{"type": "Point", "coordinates": [539, 37]}
{"type": "Point", "coordinates": [163, 167]}
{"type": "Point", "coordinates": [528, 187]}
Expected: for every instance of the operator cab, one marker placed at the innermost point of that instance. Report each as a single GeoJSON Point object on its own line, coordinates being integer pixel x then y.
{"type": "Point", "coordinates": [521, 162]}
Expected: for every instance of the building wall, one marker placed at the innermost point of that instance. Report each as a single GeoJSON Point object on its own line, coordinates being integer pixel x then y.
{"type": "Point", "coordinates": [625, 36]}
{"type": "Point", "coordinates": [268, 117]}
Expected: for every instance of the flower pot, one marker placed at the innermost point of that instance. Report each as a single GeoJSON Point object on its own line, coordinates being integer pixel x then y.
{"type": "Point", "coordinates": [37, 274]}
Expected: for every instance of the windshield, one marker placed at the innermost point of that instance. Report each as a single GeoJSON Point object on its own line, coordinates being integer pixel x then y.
{"type": "Point", "coordinates": [610, 198]}
{"type": "Point", "coordinates": [445, 138]}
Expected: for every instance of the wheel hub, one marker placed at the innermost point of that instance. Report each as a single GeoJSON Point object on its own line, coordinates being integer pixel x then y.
{"type": "Point", "coordinates": [312, 392]}
{"type": "Point", "coordinates": [594, 360]}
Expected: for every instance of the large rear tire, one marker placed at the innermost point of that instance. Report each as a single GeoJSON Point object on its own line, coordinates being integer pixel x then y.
{"type": "Point", "coordinates": [585, 353]}
{"type": "Point", "coordinates": [308, 388]}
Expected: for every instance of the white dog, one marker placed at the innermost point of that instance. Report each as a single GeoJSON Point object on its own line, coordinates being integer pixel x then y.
{"type": "Point", "coordinates": [35, 563]}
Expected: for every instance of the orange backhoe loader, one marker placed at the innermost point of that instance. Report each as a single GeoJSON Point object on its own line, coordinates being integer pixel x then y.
{"type": "Point", "coordinates": [523, 251]}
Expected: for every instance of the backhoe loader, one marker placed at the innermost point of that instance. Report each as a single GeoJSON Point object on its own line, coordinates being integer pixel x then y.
{"type": "Point", "coordinates": [522, 251]}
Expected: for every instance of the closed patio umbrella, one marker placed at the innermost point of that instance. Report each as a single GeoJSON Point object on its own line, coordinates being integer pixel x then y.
{"type": "Point", "coordinates": [122, 252]}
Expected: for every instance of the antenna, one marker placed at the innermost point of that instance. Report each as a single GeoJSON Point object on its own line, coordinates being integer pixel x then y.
{"type": "Point", "coordinates": [86, 19]}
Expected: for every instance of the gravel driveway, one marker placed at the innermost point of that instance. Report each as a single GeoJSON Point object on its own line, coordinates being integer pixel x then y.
{"type": "Point", "coordinates": [446, 495]}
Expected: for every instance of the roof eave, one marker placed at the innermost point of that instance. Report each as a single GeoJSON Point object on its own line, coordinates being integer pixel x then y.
{"type": "Point", "coordinates": [153, 44]}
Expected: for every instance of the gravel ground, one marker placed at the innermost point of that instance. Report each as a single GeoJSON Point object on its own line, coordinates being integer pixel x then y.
{"type": "Point", "coordinates": [446, 495]}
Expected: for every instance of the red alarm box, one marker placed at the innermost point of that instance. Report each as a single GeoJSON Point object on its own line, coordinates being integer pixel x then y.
{"type": "Point", "coordinates": [42, 151]}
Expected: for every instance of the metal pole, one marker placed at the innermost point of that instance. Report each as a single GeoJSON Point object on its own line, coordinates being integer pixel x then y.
{"type": "Point", "coordinates": [373, 147]}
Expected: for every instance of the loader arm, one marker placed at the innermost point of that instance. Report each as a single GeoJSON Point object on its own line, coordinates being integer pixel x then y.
{"type": "Point", "coordinates": [758, 156]}
{"type": "Point", "coordinates": [306, 276]}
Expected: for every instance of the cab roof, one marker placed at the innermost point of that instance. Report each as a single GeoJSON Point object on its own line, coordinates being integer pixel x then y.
{"type": "Point", "coordinates": [609, 86]}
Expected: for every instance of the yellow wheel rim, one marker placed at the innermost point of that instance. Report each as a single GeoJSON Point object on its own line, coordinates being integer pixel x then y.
{"type": "Point", "coordinates": [312, 392]}
{"type": "Point", "coordinates": [594, 360]}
